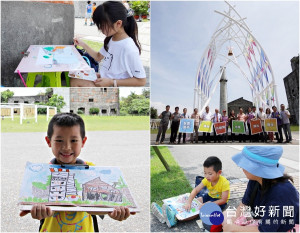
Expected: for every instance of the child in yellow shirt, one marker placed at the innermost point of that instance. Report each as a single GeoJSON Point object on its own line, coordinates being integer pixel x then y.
{"type": "Point", "coordinates": [217, 185]}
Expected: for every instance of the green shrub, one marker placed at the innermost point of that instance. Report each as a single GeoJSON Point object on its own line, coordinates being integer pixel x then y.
{"type": "Point", "coordinates": [79, 112]}
{"type": "Point", "coordinates": [94, 111]}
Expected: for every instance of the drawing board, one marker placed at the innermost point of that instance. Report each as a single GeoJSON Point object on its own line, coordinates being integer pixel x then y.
{"type": "Point", "coordinates": [52, 58]}
{"type": "Point", "coordinates": [67, 187]}
{"type": "Point", "coordinates": [178, 203]}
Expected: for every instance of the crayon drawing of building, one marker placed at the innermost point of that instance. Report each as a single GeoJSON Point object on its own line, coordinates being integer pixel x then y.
{"type": "Point", "coordinates": [98, 190]}
{"type": "Point", "coordinates": [62, 186]}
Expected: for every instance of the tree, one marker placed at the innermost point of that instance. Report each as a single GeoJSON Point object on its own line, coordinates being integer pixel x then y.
{"type": "Point", "coordinates": [135, 104]}
{"type": "Point", "coordinates": [146, 93]}
{"type": "Point", "coordinates": [56, 101]}
{"type": "Point", "coordinates": [153, 113]}
{"type": "Point", "coordinates": [5, 95]}
{"type": "Point", "coordinates": [139, 106]}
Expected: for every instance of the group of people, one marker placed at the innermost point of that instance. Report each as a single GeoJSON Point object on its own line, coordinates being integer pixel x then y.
{"type": "Point", "coordinates": [282, 117]}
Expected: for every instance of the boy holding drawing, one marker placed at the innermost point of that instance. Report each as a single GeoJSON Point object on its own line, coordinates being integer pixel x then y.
{"type": "Point", "coordinates": [66, 137]}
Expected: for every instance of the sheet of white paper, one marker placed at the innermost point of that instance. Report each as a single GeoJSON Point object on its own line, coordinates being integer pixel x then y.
{"type": "Point", "coordinates": [44, 57]}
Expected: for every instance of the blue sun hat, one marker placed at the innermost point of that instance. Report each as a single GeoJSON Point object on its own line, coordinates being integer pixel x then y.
{"type": "Point", "coordinates": [261, 161]}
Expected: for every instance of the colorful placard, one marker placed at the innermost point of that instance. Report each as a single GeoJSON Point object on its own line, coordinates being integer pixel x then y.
{"type": "Point", "coordinates": [238, 127]}
{"type": "Point", "coordinates": [205, 126]}
{"type": "Point", "coordinates": [186, 125]}
{"type": "Point", "coordinates": [220, 127]}
{"type": "Point", "coordinates": [271, 125]}
{"type": "Point", "coordinates": [255, 126]}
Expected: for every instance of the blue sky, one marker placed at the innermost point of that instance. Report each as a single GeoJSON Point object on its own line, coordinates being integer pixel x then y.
{"type": "Point", "coordinates": [180, 32]}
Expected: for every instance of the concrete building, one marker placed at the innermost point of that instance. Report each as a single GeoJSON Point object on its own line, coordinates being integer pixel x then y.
{"type": "Point", "coordinates": [106, 99]}
{"type": "Point", "coordinates": [25, 23]}
{"type": "Point", "coordinates": [236, 104]}
{"type": "Point", "coordinates": [291, 84]}
{"type": "Point", "coordinates": [223, 91]}
{"type": "Point", "coordinates": [28, 99]}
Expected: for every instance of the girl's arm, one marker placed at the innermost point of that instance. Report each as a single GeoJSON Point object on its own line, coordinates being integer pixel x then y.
{"type": "Point", "coordinates": [94, 54]}
{"type": "Point", "coordinates": [128, 82]}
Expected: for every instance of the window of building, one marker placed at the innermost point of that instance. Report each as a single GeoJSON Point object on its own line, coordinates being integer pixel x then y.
{"type": "Point", "coordinates": [103, 111]}
{"type": "Point", "coordinates": [113, 111]}
{"type": "Point", "coordinates": [91, 100]}
{"type": "Point", "coordinates": [105, 89]}
{"type": "Point", "coordinates": [25, 102]}
{"type": "Point", "coordinates": [16, 101]}
{"type": "Point", "coordinates": [71, 111]}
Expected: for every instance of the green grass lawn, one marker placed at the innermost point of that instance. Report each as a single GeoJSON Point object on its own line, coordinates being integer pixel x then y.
{"type": "Point", "coordinates": [155, 131]}
{"type": "Point", "coordinates": [95, 45]}
{"type": "Point", "coordinates": [92, 123]}
{"type": "Point", "coordinates": [294, 127]}
{"type": "Point", "coordinates": [166, 184]}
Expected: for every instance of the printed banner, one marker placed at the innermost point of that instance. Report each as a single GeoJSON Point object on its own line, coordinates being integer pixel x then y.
{"type": "Point", "coordinates": [271, 125]}
{"type": "Point", "coordinates": [220, 127]}
{"type": "Point", "coordinates": [186, 126]}
{"type": "Point", "coordinates": [205, 126]}
{"type": "Point", "coordinates": [238, 127]}
{"type": "Point", "coordinates": [255, 126]}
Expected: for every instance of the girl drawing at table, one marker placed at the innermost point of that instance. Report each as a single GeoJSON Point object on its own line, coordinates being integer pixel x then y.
{"type": "Point", "coordinates": [121, 65]}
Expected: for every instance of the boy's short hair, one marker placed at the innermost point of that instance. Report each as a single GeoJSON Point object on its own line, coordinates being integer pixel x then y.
{"type": "Point", "coordinates": [68, 120]}
{"type": "Point", "coordinates": [176, 108]}
{"type": "Point", "coordinates": [213, 161]}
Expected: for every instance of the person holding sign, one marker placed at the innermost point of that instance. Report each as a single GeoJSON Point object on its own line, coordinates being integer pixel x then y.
{"type": "Point", "coordinates": [175, 117]}
{"type": "Point", "coordinates": [262, 116]}
{"type": "Point", "coordinates": [206, 116]}
{"type": "Point", "coordinates": [66, 137]}
{"type": "Point", "coordinates": [269, 116]}
{"type": "Point", "coordinates": [241, 116]}
{"type": "Point", "coordinates": [165, 117]}
{"type": "Point", "coordinates": [285, 115]}
{"type": "Point", "coordinates": [195, 116]}
{"type": "Point", "coordinates": [216, 119]}
{"type": "Point", "coordinates": [275, 114]}
{"type": "Point", "coordinates": [225, 119]}
{"type": "Point", "coordinates": [250, 115]}
{"type": "Point", "coordinates": [231, 118]}
{"type": "Point", "coordinates": [183, 116]}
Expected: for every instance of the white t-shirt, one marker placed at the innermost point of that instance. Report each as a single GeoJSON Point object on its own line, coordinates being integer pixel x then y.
{"type": "Point", "coordinates": [122, 60]}
{"type": "Point", "coordinates": [206, 116]}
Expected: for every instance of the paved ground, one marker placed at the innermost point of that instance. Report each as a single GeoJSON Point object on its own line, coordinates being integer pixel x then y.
{"type": "Point", "coordinates": [295, 136]}
{"type": "Point", "coordinates": [191, 159]}
{"type": "Point", "coordinates": [92, 33]}
{"type": "Point", "coordinates": [108, 148]}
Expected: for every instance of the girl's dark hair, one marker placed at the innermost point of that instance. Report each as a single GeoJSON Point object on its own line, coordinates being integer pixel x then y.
{"type": "Point", "coordinates": [268, 109]}
{"type": "Point", "coordinates": [66, 120]}
{"type": "Point", "coordinates": [110, 12]}
{"type": "Point", "coordinates": [268, 183]}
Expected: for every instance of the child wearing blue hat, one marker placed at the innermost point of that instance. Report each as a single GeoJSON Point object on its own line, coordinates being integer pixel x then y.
{"type": "Point", "coordinates": [273, 200]}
